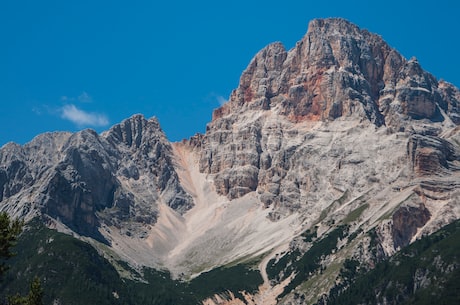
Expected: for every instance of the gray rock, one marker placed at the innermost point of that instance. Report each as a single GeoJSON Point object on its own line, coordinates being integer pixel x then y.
{"type": "Point", "coordinates": [85, 179]}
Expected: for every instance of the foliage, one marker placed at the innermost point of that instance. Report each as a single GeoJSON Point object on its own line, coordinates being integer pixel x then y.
{"type": "Point", "coordinates": [236, 278]}
{"type": "Point", "coordinates": [374, 242]}
{"type": "Point", "coordinates": [309, 235]}
{"type": "Point", "coordinates": [353, 235]}
{"type": "Point", "coordinates": [356, 213]}
{"type": "Point", "coordinates": [9, 231]}
{"type": "Point", "coordinates": [36, 293]}
{"type": "Point", "coordinates": [34, 297]}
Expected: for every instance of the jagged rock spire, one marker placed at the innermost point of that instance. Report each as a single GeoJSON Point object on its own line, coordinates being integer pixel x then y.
{"type": "Point", "coordinates": [336, 71]}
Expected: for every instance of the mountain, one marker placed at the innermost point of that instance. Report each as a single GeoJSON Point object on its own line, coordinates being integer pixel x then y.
{"type": "Point", "coordinates": [85, 180]}
{"type": "Point", "coordinates": [422, 273]}
{"type": "Point", "coordinates": [339, 150]}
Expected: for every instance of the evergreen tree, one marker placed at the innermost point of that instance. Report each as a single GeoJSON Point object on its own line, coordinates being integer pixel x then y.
{"type": "Point", "coordinates": [36, 293]}
{"type": "Point", "coordinates": [17, 300]}
{"type": "Point", "coordinates": [34, 297]}
{"type": "Point", "coordinates": [9, 231]}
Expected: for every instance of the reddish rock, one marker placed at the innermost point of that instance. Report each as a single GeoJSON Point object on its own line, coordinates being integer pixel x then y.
{"type": "Point", "coordinates": [338, 70]}
{"type": "Point", "coordinates": [406, 221]}
{"type": "Point", "coordinates": [431, 155]}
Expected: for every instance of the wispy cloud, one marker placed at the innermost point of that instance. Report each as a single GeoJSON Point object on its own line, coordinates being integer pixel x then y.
{"type": "Point", "coordinates": [221, 100]}
{"type": "Point", "coordinates": [84, 97]}
{"type": "Point", "coordinates": [83, 118]}
{"type": "Point", "coordinates": [212, 98]}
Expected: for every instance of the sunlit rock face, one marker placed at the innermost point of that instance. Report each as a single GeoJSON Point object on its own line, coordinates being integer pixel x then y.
{"type": "Point", "coordinates": [338, 70]}
{"type": "Point", "coordinates": [340, 75]}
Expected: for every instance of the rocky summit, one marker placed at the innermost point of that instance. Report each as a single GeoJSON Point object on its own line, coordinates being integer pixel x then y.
{"type": "Point", "coordinates": [339, 139]}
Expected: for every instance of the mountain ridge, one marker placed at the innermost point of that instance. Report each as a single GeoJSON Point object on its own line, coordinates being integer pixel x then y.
{"type": "Point", "coordinates": [340, 135]}
{"type": "Point", "coordinates": [338, 44]}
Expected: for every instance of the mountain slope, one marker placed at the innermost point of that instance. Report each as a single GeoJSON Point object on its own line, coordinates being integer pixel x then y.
{"type": "Point", "coordinates": [73, 272]}
{"type": "Point", "coordinates": [337, 149]}
{"type": "Point", "coordinates": [426, 272]}
{"type": "Point", "coordinates": [85, 179]}
{"type": "Point", "coordinates": [60, 261]}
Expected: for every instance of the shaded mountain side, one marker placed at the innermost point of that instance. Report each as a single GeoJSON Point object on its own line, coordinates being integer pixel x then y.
{"type": "Point", "coordinates": [85, 179]}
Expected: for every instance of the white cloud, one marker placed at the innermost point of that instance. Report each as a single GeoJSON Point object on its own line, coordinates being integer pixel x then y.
{"type": "Point", "coordinates": [212, 98]}
{"type": "Point", "coordinates": [221, 100]}
{"type": "Point", "coordinates": [82, 118]}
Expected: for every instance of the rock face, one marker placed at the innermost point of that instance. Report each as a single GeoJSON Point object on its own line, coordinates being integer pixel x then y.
{"type": "Point", "coordinates": [432, 155]}
{"type": "Point", "coordinates": [340, 132]}
{"type": "Point", "coordinates": [338, 70]}
{"type": "Point", "coordinates": [337, 73]}
{"type": "Point", "coordinates": [406, 221]}
{"type": "Point", "coordinates": [338, 124]}
{"type": "Point", "coordinates": [84, 179]}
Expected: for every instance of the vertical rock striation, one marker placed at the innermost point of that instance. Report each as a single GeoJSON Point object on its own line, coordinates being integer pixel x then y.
{"type": "Point", "coordinates": [85, 179]}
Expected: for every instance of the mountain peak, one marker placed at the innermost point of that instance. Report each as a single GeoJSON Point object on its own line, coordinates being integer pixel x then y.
{"type": "Point", "coordinates": [338, 70]}
{"type": "Point", "coordinates": [135, 130]}
{"type": "Point", "coordinates": [333, 26]}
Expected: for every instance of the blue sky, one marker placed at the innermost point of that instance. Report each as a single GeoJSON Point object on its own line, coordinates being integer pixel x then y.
{"type": "Point", "coordinates": [69, 65]}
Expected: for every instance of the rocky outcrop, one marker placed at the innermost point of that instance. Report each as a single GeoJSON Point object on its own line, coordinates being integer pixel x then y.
{"type": "Point", "coordinates": [406, 221]}
{"type": "Point", "coordinates": [81, 184]}
{"type": "Point", "coordinates": [336, 72]}
{"type": "Point", "coordinates": [85, 179]}
{"type": "Point", "coordinates": [146, 161]}
{"type": "Point", "coordinates": [340, 123]}
{"type": "Point", "coordinates": [431, 155]}
{"type": "Point", "coordinates": [450, 100]}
